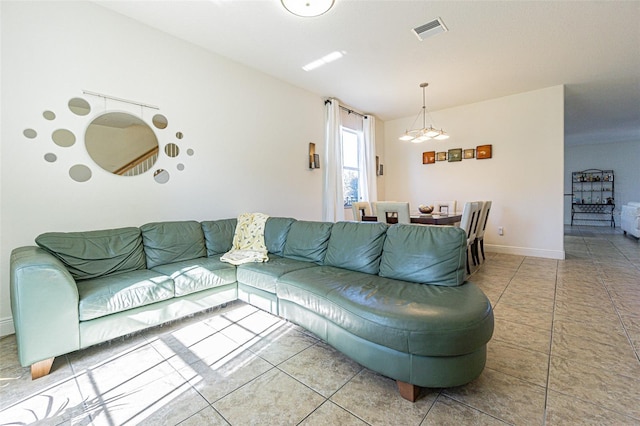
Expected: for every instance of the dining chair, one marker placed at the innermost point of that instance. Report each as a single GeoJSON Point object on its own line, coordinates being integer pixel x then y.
{"type": "Point", "coordinates": [482, 225]}
{"type": "Point", "coordinates": [400, 208]}
{"type": "Point", "coordinates": [360, 208]}
{"type": "Point", "coordinates": [374, 204]}
{"type": "Point", "coordinates": [450, 207]}
{"type": "Point", "coordinates": [469, 222]}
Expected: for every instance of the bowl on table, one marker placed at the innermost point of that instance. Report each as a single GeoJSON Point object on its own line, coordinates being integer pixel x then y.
{"type": "Point", "coordinates": [425, 209]}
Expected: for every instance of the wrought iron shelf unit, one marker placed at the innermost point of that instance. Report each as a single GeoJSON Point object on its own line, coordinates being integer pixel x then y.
{"type": "Point", "coordinates": [592, 196]}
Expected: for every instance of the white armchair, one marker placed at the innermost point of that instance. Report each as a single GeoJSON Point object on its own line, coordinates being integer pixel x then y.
{"type": "Point", "coordinates": [630, 219]}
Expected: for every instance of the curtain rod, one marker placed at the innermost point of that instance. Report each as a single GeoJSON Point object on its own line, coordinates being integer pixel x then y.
{"type": "Point", "coordinates": [349, 110]}
{"type": "Point", "coordinates": [87, 92]}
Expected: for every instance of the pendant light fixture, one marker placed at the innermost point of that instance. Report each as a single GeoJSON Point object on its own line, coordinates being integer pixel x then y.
{"type": "Point", "coordinates": [425, 133]}
{"type": "Point", "coordinates": [307, 8]}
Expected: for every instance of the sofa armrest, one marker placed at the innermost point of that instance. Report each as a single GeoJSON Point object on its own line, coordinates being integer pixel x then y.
{"type": "Point", "coordinates": [631, 209]}
{"type": "Point", "coordinates": [44, 303]}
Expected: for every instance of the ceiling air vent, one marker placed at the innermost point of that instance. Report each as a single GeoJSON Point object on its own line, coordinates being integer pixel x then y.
{"type": "Point", "coordinates": [430, 29]}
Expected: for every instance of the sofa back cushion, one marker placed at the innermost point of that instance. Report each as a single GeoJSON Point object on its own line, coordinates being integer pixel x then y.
{"type": "Point", "coordinates": [356, 246]}
{"type": "Point", "coordinates": [94, 254]}
{"type": "Point", "coordinates": [218, 235]}
{"type": "Point", "coordinates": [425, 254]}
{"type": "Point", "coordinates": [168, 242]}
{"type": "Point", "coordinates": [307, 241]}
{"type": "Point", "coordinates": [275, 233]}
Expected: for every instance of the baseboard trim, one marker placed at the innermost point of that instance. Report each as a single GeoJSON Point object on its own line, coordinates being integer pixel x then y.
{"type": "Point", "coordinates": [526, 251]}
{"type": "Point", "coordinates": [6, 327]}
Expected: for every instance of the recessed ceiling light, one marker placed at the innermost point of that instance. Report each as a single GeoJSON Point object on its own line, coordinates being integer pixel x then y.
{"type": "Point", "coordinates": [333, 56]}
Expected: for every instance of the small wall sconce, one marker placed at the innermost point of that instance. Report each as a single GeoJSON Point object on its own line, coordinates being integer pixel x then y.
{"type": "Point", "coordinates": [314, 159]}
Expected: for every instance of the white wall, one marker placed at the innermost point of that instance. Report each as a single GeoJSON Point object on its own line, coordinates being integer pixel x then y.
{"type": "Point", "coordinates": [524, 179]}
{"type": "Point", "coordinates": [250, 133]}
{"type": "Point", "coordinates": [621, 157]}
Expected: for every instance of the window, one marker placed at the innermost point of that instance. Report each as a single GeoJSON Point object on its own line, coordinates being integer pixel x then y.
{"type": "Point", "coordinates": [350, 166]}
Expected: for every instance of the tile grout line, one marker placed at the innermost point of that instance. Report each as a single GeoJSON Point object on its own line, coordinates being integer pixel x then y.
{"type": "Point", "coordinates": [553, 318]}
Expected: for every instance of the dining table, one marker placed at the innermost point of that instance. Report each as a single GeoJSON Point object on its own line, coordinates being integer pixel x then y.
{"type": "Point", "coordinates": [423, 219]}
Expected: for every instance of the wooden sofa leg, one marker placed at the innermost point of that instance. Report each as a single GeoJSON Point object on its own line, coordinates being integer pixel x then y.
{"type": "Point", "coordinates": [408, 391]}
{"type": "Point", "coordinates": [42, 368]}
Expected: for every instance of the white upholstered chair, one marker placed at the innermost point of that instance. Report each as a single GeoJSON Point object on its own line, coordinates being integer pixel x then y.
{"type": "Point", "coordinates": [373, 208]}
{"type": "Point", "coordinates": [469, 223]}
{"type": "Point", "coordinates": [400, 208]}
{"type": "Point", "coordinates": [450, 207]}
{"type": "Point", "coordinates": [360, 208]}
{"type": "Point", "coordinates": [482, 225]}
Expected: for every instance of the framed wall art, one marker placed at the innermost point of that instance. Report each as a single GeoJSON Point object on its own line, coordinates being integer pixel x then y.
{"type": "Point", "coordinates": [428, 157]}
{"type": "Point", "coordinates": [483, 151]}
{"type": "Point", "coordinates": [469, 153]}
{"type": "Point", "coordinates": [441, 156]}
{"type": "Point", "coordinates": [455, 154]}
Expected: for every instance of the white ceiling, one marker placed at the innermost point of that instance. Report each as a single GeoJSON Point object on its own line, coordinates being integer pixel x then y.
{"type": "Point", "coordinates": [492, 49]}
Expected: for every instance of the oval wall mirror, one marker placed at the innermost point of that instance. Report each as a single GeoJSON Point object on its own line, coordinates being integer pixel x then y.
{"type": "Point", "coordinates": [121, 143]}
{"type": "Point", "coordinates": [172, 150]}
{"type": "Point", "coordinates": [80, 173]}
{"type": "Point", "coordinates": [160, 121]}
{"type": "Point", "coordinates": [161, 176]}
{"type": "Point", "coordinates": [30, 133]}
{"type": "Point", "coordinates": [63, 137]}
{"type": "Point", "coordinates": [79, 106]}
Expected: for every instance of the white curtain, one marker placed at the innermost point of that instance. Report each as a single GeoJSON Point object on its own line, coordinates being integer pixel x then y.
{"type": "Point", "coordinates": [367, 184]}
{"type": "Point", "coordinates": [332, 195]}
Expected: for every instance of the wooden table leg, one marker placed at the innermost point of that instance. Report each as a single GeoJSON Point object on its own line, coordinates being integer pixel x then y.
{"type": "Point", "coordinates": [41, 368]}
{"type": "Point", "coordinates": [408, 391]}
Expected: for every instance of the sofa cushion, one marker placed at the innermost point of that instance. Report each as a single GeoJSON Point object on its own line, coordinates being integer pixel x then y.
{"type": "Point", "coordinates": [265, 275]}
{"type": "Point", "coordinates": [218, 235]}
{"type": "Point", "coordinates": [96, 253]}
{"type": "Point", "coordinates": [418, 319]}
{"type": "Point", "coordinates": [356, 246]}
{"type": "Point", "coordinates": [307, 241]}
{"type": "Point", "coordinates": [425, 254]}
{"type": "Point", "coordinates": [275, 233]}
{"type": "Point", "coordinates": [169, 242]}
{"type": "Point", "coordinates": [120, 292]}
{"type": "Point", "coordinates": [194, 275]}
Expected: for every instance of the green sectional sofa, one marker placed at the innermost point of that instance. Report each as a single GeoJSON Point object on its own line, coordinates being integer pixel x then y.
{"type": "Point", "coordinates": [393, 298]}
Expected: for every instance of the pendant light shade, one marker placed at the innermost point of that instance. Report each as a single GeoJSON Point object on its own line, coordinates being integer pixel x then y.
{"type": "Point", "coordinates": [307, 8]}
{"type": "Point", "coordinates": [425, 133]}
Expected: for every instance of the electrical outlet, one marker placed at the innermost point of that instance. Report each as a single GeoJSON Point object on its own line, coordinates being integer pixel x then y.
{"type": "Point", "coordinates": [500, 230]}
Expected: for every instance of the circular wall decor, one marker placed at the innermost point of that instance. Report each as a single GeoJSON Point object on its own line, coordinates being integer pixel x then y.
{"type": "Point", "coordinates": [80, 173]}
{"type": "Point", "coordinates": [30, 133]}
{"type": "Point", "coordinates": [63, 137]}
{"type": "Point", "coordinates": [79, 106]}
{"type": "Point", "coordinates": [121, 143]}
{"type": "Point", "coordinates": [161, 176]}
{"type": "Point", "coordinates": [160, 121]}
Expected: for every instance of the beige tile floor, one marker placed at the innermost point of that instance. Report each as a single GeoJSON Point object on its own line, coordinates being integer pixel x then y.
{"type": "Point", "coordinates": [565, 351]}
